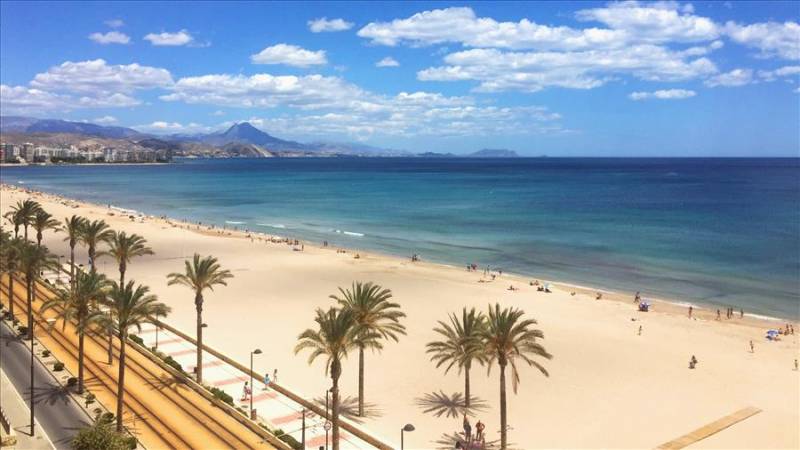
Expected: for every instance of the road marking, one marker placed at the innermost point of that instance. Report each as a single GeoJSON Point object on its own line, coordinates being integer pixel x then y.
{"type": "Point", "coordinates": [710, 429]}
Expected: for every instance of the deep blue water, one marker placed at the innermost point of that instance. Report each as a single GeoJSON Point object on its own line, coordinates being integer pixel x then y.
{"type": "Point", "coordinates": [714, 231]}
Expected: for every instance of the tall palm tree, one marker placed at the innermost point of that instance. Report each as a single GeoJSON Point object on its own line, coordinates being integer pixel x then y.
{"type": "Point", "coordinates": [460, 345]}
{"type": "Point", "coordinates": [25, 212]}
{"type": "Point", "coordinates": [130, 306]}
{"type": "Point", "coordinates": [122, 247]}
{"type": "Point", "coordinates": [15, 219]}
{"type": "Point", "coordinates": [507, 338]}
{"type": "Point", "coordinates": [377, 318]}
{"type": "Point", "coordinates": [91, 235]}
{"type": "Point", "coordinates": [42, 221]}
{"type": "Point", "coordinates": [33, 260]}
{"type": "Point", "coordinates": [200, 274]}
{"type": "Point", "coordinates": [8, 263]}
{"type": "Point", "coordinates": [334, 338]}
{"type": "Point", "coordinates": [79, 303]}
{"type": "Point", "coordinates": [73, 226]}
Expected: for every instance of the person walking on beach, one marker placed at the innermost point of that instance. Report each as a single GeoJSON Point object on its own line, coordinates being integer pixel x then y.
{"type": "Point", "coordinates": [692, 362]}
{"type": "Point", "coordinates": [640, 330]}
{"type": "Point", "coordinates": [795, 365]}
{"type": "Point", "coordinates": [690, 311]}
{"type": "Point", "coordinates": [638, 298]}
{"type": "Point", "coordinates": [718, 315]}
{"type": "Point", "coordinates": [752, 349]}
{"type": "Point", "coordinates": [741, 313]}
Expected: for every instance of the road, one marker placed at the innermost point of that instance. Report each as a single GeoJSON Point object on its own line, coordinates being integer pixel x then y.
{"type": "Point", "coordinates": [159, 409]}
{"type": "Point", "coordinates": [60, 417]}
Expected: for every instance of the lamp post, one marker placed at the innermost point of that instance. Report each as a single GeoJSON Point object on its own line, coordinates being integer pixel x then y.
{"type": "Point", "coordinates": [409, 428]}
{"type": "Point", "coordinates": [327, 418]}
{"type": "Point", "coordinates": [254, 352]}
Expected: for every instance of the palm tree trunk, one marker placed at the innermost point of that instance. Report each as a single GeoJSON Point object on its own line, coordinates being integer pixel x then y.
{"type": "Point", "coordinates": [71, 263]}
{"type": "Point", "coordinates": [11, 294]}
{"type": "Point", "coordinates": [503, 418]}
{"type": "Point", "coordinates": [26, 232]}
{"type": "Point", "coordinates": [38, 238]}
{"type": "Point", "coordinates": [80, 358]}
{"type": "Point", "coordinates": [466, 388]}
{"type": "Point", "coordinates": [360, 381]}
{"type": "Point", "coordinates": [198, 303]}
{"type": "Point", "coordinates": [335, 412]}
{"type": "Point", "coordinates": [110, 333]}
{"type": "Point", "coordinates": [121, 384]}
{"type": "Point", "coordinates": [91, 259]}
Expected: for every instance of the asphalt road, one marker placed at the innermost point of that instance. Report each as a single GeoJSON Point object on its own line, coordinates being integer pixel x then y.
{"type": "Point", "coordinates": [60, 417]}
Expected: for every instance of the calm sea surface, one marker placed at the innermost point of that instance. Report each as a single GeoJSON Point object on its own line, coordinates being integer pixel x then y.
{"type": "Point", "coordinates": [714, 231]}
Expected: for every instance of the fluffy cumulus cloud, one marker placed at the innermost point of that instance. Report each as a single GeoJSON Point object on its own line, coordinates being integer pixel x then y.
{"type": "Point", "coordinates": [657, 41]}
{"type": "Point", "coordinates": [327, 106]}
{"type": "Point", "coordinates": [387, 62]}
{"type": "Point", "coordinates": [179, 38]}
{"type": "Point", "coordinates": [665, 94]}
{"type": "Point", "coordinates": [770, 38]}
{"type": "Point", "coordinates": [290, 55]}
{"type": "Point", "coordinates": [112, 37]}
{"type": "Point", "coordinates": [736, 77]}
{"type": "Point", "coordinates": [323, 24]}
{"type": "Point", "coordinates": [105, 120]}
{"type": "Point", "coordinates": [166, 127]}
{"type": "Point", "coordinates": [782, 72]}
{"type": "Point", "coordinates": [84, 84]}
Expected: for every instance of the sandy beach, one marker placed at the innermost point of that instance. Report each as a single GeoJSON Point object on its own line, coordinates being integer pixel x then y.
{"type": "Point", "coordinates": [609, 387]}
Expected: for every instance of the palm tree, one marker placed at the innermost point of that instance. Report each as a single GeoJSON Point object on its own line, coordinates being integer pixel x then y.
{"type": "Point", "coordinates": [461, 345]}
{"type": "Point", "coordinates": [333, 340]}
{"type": "Point", "coordinates": [73, 226]}
{"type": "Point", "coordinates": [200, 274]}
{"type": "Point", "coordinates": [508, 337]}
{"type": "Point", "coordinates": [33, 260]}
{"type": "Point", "coordinates": [79, 303]}
{"type": "Point", "coordinates": [377, 319]}
{"type": "Point", "coordinates": [15, 219]}
{"type": "Point", "coordinates": [130, 306]}
{"type": "Point", "coordinates": [25, 212]}
{"type": "Point", "coordinates": [8, 263]}
{"type": "Point", "coordinates": [91, 234]}
{"type": "Point", "coordinates": [122, 248]}
{"type": "Point", "coordinates": [43, 220]}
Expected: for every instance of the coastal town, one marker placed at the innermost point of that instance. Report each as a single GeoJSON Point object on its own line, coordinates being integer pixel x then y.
{"type": "Point", "coordinates": [29, 153]}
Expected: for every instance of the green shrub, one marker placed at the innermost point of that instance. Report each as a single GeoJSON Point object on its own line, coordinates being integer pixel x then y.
{"type": "Point", "coordinates": [45, 353]}
{"type": "Point", "coordinates": [292, 442]}
{"type": "Point", "coordinates": [174, 364]}
{"type": "Point", "coordinates": [136, 339]}
{"type": "Point", "coordinates": [277, 432]}
{"type": "Point", "coordinates": [222, 395]}
{"type": "Point", "coordinates": [22, 330]}
{"type": "Point", "coordinates": [90, 398]}
{"type": "Point", "coordinates": [101, 435]}
{"type": "Point", "coordinates": [58, 367]}
{"type": "Point", "coordinates": [72, 381]}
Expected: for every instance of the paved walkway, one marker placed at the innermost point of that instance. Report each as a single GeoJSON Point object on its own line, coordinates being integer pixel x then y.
{"type": "Point", "coordinates": [712, 428]}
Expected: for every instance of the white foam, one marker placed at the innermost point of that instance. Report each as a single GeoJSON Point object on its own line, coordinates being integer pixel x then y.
{"type": "Point", "coordinates": [353, 233]}
{"type": "Point", "coordinates": [233, 222]}
{"type": "Point", "coordinates": [272, 225]}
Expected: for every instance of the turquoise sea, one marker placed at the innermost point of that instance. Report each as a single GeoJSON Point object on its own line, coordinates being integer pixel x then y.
{"type": "Point", "coordinates": [713, 231]}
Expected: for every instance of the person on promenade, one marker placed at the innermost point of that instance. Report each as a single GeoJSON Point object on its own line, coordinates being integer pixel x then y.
{"type": "Point", "coordinates": [245, 392]}
{"type": "Point", "coordinates": [479, 430]}
{"type": "Point", "coordinates": [467, 430]}
{"type": "Point", "coordinates": [266, 381]}
{"type": "Point", "coordinates": [275, 376]}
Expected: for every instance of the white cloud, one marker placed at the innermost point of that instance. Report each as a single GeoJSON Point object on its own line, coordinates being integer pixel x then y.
{"type": "Point", "coordinates": [166, 127]}
{"type": "Point", "coordinates": [736, 77]}
{"type": "Point", "coordinates": [785, 71]}
{"type": "Point", "coordinates": [797, 91]}
{"type": "Point", "coordinates": [169, 39]}
{"type": "Point", "coordinates": [387, 62]}
{"type": "Point", "coordinates": [112, 37]}
{"type": "Point", "coordinates": [324, 25]}
{"type": "Point", "coordinates": [105, 120]}
{"type": "Point", "coordinates": [218, 113]}
{"type": "Point", "coordinates": [21, 99]}
{"type": "Point", "coordinates": [97, 76]}
{"type": "Point", "coordinates": [115, 23]}
{"type": "Point", "coordinates": [667, 94]}
{"type": "Point", "coordinates": [771, 38]}
{"type": "Point", "coordinates": [291, 55]}
{"type": "Point", "coordinates": [533, 71]}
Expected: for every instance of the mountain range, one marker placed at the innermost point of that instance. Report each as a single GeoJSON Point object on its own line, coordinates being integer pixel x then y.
{"type": "Point", "coordinates": [240, 140]}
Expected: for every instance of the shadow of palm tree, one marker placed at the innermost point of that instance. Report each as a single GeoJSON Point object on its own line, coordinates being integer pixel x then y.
{"type": "Point", "coordinates": [449, 441]}
{"type": "Point", "coordinates": [453, 405]}
{"type": "Point", "coordinates": [348, 408]}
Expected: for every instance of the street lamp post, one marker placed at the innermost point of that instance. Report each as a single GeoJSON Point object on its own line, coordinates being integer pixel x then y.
{"type": "Point", "coordinates": [327, 418]}
{"type": "Point", "coordinates": [31, 399]}
{"type": "Point", "coordinates": [303, 437]}
{"type": "Point", "coordinates": [409, 428]}
{"type": "Point", "coordinates": [254, 352]}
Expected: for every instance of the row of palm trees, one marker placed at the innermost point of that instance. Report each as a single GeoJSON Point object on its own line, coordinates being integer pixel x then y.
{"type": "Point", "coordinates": [502, 337]}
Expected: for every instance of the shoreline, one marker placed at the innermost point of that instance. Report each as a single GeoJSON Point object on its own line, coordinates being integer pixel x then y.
{"type": "Point", "coordinates": [231, 230]}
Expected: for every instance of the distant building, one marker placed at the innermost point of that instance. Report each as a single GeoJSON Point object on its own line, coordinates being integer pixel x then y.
{"type": "Point", "coordinates": [28, 152]}
{"type": "Point", "coordinates": [9, 152]}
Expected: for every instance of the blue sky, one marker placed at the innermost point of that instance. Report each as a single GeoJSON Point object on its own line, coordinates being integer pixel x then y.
{"type": "Point", "coordinates": [556, 78]}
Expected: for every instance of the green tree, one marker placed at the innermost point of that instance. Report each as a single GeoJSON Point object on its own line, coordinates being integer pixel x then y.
{"type": "Point", "coordinates": [122, 247]}
{"type": "Point", "coordinates": [9, 256]}
{"type": "Point", "coordinates": [333, 339]}
{"type": "Point", "coordinates": [91, 235]}
{"type": "Point", "coordinates": [377, 318]}
{"type": "Point", "coordinates": [24, 213]}
{"type": "Point", "coordinates": [130, 306]}
{"type": "Point", "coordinates": [78, 304]}
{"type": "Point", "coordinates": [200, 274]}
{"type": "Point", "coordinates": [460, 345]}
{"type": "Point", "coordinates": [15, 219]}
{"type": "Point", "coordinates": [33, 260]}
{"type": "Point", "coordinates": [508, 338]}
{"type": "Point", "coordinates": [42, 221]}
{"type": "Point", "coordinates": [101, 435]}
{"type": "Point", "coordinates": [73, 226]}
